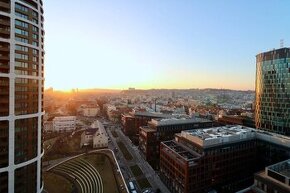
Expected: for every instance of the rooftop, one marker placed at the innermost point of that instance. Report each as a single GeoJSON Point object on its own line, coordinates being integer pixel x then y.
{"type": "Point", "coordinates": [64, 118]}
{"type": "Point", "coordinates": [90, 131]}
{"type": "Point", "coordinates": [230, 134]}
{"type": "Point", "coordinates": [177, 121]}
{"type": "Point", "coordinates": [147, 129]}
{"type": "Point", "coordinates": [278, 173]}
{"type": "Point", "coordinates": [181, 150]}
{"type": "Point", "coordinates": [274, 54]}
{"type": "Point", "coordinates": [219, 135]}
{"type": "Point", "coordinates": [151, 114]}
{"type": "Point", "coordinates": [282, 168]}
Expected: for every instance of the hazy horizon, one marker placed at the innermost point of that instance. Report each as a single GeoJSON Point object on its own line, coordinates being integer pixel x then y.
{"type": "Point", "coordinates": [138, 89]}
{"type": "Point", "coordinates": [160, 44]}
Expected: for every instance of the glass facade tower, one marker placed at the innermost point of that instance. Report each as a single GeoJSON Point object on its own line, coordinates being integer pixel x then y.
{"type": "Point", "coordinates": [272, 107]}
{"type": "Point", "coordinates": [21, 95]}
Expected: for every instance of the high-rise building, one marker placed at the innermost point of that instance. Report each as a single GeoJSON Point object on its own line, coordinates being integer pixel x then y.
{"type": "Point", "coordinates": [272, 111]}
{"type": "Point", "coordinates": [21, 95]}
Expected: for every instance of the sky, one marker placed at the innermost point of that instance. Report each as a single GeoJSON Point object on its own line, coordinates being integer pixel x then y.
{"type": "Point", "coordinates": [146, 44]}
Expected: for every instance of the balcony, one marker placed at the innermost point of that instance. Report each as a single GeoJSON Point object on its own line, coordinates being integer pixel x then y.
{"type": "Point", "coordinates": [4, 49]}
{"type": "Point", "coordinates": [5, 33]}
{"type": "Point", "coordinates": [4, 22]}
{"type": "Point", "coordinates": [4, 92]}
{"type": "Point", "coordinates": [4, 112]}
{"type": "Point", "coordinates": [5, 30]}
{"type": "Point", "coordinates": [5, 7]}
{"type": "Point", "coordinates": [4, 68]}
{"type": "Point", "coordinates": [4, 57]}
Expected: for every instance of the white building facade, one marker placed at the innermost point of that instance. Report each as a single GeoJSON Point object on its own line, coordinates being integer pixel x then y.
{"type": "Point", "coordinates": [21, 95]}
{"type": "Point", "coordinates": [64, 124]}
{"type": "Point", "coordinates": [91, 111]}
{"type": "Point", "coordinates": [100, 139]}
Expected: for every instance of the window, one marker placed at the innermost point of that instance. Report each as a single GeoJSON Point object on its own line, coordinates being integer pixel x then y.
{"type": "Point", "coordinates": [24, 40]}
{"type": "Point", "coordinates": [35, 59]}
{"type": "Point", "coordinates": [35, 43]}
{"type": "Point", "coordinates": [35, 51]}
{"type": "Point", "coordinates": [21, 64]}
{"type": "Point", "coordinates": [21, 15]}
{"type": "Point", "coordinates": [21, 56]}
{"type": "Point", "coordinates": [21, 81]}
{"type": "Point", "coordinates": [21, 72]}
{"type": "Point", "coordinates": [35, 36]}
{"type": "Point", "coordinates": [35, 14]}
{"type": "Point", "coordinates": [21, 7]}
{"type": "Point", "coordinates": [21, 23]}
{"type": "Point", "coordinates": [35, 29]}
{"type": "Point", "coordinates": [21, 32]}
{"type": "Point", "coordinates": [21, 48]}
{"type": "Point", "coordinates": [35, 21]}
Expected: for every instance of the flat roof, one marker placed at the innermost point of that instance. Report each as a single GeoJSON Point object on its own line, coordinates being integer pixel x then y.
{"type": "Point", "coordinates": [217, 132]}
{"type": "Point", "coordinates": [151, 114]}
{"type": "Point", "coordinates": [232, 133]}
{"type": "Point", "coordinates": [282, 168]}
{"type": "Point", "coordinates": [178, 120]}
{"type": "Point", "coordinates": [65, 118]}
{"type": "Point", "coordinates": [278, 173]}
{"type": "Point", "coordinates": [219, 135]}
{"type": "Point", "coordinates": [183, 151]}
{"type": "Point", "coordinates": [147, 129]}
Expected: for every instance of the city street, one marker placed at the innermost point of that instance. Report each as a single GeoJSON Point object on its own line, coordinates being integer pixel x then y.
{"type": "Point", "coordinates": [149, 173]}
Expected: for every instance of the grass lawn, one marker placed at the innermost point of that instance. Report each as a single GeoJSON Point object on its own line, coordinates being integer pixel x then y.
{"type": "Point", "coordinates": [143, 183]}
{"type": "Point", "coordinates": [136, 170]}
{"type": "Point", "coordinates": [64, 146]}
{"type": "Point", "coordinates": [55, 183]}
{"type": "Point", "coordinates": [115, 134]}
{"type": "Point", "coordinates": [125, 151]}
{"type": "Point", "coordinates": [105, 168]}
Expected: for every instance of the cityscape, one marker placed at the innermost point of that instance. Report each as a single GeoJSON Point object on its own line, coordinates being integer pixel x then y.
{"type": "Point", "coordinates": [133, 97]}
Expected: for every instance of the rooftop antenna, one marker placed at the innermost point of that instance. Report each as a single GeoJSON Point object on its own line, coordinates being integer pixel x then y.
{"type": "Point", "coordinates": [282, 43]}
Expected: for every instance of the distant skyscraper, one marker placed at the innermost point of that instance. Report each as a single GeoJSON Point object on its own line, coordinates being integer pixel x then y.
{"type": "Point", "coordinates": [21, 95]}
{"type": "Point", "coordinates": [272, 112]}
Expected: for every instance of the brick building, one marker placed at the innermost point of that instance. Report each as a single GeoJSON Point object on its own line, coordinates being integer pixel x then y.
{"type": "Point", "coordinates": [223, 159]}
{"type": "Point", "coordinates": [159, 130]}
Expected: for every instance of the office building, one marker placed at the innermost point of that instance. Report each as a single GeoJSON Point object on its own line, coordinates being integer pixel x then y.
{"type": "Point", "coordinates": [272, 111]}
{"type": "Point", "coordinates": [64, 124]}
{"type": "Point", "coordinates": [21, 95]}
{"type": "Point", "coordinates": [164, 129]}
{"type": "Point", "coordinates": [274, 179]}
{"type": "Point", "coordinates": [131, 122]}
{"type": "Point", "coordinates": [222, 159]}
{"type": "Point", "coordinates": [237, 120]}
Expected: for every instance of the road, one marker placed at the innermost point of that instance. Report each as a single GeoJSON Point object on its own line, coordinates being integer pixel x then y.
{"type": "Point", "coordinates": [150, 174]}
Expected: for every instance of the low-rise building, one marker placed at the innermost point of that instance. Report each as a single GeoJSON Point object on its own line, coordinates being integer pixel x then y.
{"type": "Point", "coordinates": [48, 126]}
{"type": "Point", "coordinates": [237, 120]}
{"type": "Point", "coordinates": [87, 137]}
{"type": "Point", "coordinates": [100, 139]}
{"type": "Point", "coordinates": [131, 122]}
{"type": "Point", "coordinates": [95, 136]}
{"type": "Point", "coordinates": [91, 111]}
{"type": "Point", "coordinates": [64, 124]}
